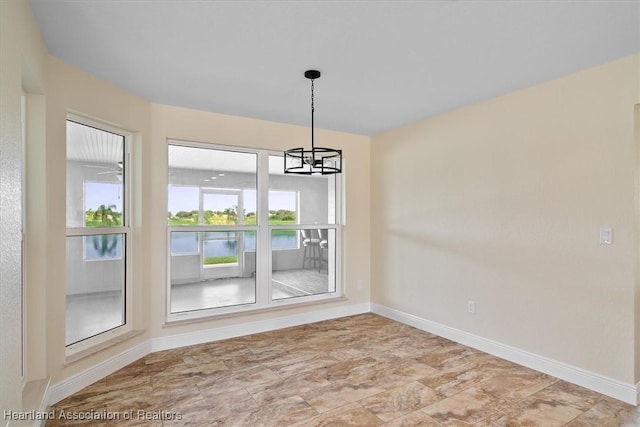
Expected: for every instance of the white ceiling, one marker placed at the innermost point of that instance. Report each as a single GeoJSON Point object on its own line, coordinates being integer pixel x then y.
{"type": "Point", "coordinates": [87, 144]}
{"type": "Point", "coordinates": [384, 63]}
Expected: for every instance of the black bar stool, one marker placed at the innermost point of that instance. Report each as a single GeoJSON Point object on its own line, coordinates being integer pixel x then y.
{"type": "Point", "coordinates": [311, 248]}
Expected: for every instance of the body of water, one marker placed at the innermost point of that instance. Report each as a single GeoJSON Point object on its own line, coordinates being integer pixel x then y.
{"type": "Point", "coordinates": [218, 244]}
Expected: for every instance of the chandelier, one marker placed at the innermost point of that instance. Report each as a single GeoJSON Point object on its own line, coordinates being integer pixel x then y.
{"type": "Point", "coordinates": [318, 160]}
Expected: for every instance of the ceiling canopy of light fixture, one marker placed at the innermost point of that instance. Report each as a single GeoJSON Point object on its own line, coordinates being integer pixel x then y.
{"type": "Point", "coordinates": [318, 160]}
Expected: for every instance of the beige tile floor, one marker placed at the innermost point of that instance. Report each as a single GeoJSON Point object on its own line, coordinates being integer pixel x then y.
{"type": "Point", "coordinates": [362, 370]}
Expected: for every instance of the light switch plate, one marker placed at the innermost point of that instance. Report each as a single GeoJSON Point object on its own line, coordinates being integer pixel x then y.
{"type": "Point", "coordinates": [606, 236]}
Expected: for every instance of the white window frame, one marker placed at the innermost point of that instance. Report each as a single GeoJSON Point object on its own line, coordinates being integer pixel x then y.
{"type": "Point", "coordinates": [127, 327]}
{"type": "Point", "coordinates": [263, 244]}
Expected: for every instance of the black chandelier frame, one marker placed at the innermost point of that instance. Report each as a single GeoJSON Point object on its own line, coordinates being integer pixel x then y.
{"type": "Point", "coordinates": [318, 160]}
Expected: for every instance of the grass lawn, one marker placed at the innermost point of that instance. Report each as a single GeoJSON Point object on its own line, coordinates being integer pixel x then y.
{"type": "Point", "coordinates": [194, 221]}
{"type": "Point", "coordinates": [220, 260]}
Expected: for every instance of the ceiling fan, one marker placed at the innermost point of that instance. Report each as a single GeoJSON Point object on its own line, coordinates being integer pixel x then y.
{"type": "Point", "coordinates": [117, 169]}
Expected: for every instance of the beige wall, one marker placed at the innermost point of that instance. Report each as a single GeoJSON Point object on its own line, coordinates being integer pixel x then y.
{"type": "Point", "coordinates": [637, 254]}
{"type": "Point", "coordinates": [501, 203]}
{"type": "Point", "coordinates": [22, 62]}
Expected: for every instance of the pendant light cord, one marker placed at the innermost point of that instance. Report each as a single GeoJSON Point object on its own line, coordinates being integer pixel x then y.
{"type": "Point", "coordinates": [313, 150]}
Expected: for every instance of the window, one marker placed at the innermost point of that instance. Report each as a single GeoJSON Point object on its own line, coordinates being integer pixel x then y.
{"type": "Point", "coordinates": [97, 234]}
{"type": "Point", "coordinates": [312, 270]}
{"type": "Point", "coordinates": [243, 235]}
{"type": "Point", "coordinates": [212, 229]}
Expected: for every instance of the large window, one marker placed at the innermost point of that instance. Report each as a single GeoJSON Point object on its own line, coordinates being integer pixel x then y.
{"type": "Point", "coordinates": [97, 234]}
{"type": "Point", "coordinates": [243, 235]}
{"type": "Point", "coordinates": [212, 199]}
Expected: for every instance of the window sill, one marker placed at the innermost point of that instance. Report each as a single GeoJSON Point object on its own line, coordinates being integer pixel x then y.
{"type": "Point", "coordinates": [99, 347]}
{"type": "Point", "coordinates": [245, 313]}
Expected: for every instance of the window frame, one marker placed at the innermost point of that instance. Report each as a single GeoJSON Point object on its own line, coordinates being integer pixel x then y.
{"type": "Point", "coordinates": [264, 252]}
{"type": "Point", "coordinates": [104, 337]}
{"type": "Point", "coordinates": [208, 312]}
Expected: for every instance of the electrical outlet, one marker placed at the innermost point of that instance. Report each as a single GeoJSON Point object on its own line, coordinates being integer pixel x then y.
{"type": "Point", "coordinates": [360, 285]}
{"type": "Point", "coordinates": [471, 307]}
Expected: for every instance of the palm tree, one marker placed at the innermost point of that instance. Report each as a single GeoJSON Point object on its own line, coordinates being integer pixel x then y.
{"type": "Point", "coordinates": [107, 215]}
{"type": "Point", "coordinates": [232, 215]}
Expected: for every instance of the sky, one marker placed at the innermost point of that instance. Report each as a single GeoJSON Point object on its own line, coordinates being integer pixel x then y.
{"type": "Point", "coordinates": [102, 193]}
{"type": "Point", "coordinates": [185, 198]}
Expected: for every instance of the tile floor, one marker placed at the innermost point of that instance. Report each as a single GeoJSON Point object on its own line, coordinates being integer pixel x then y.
{"type": "Point", "coordinates": [363, 370]}
{"type": "Point", "coordinates": [225, 292]}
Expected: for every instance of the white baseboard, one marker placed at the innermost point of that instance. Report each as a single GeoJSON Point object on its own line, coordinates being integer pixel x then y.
{"type": "Point", "coordinates": [75, 383]}
{"type": "Point", "coordinates": [625, 392]}
{"type": "Point", "coordinates": [629, 393]}
{"type": "Point", "coordinates": [35, 395]}
{"type": "Point", "coordinates": [216, 334]}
